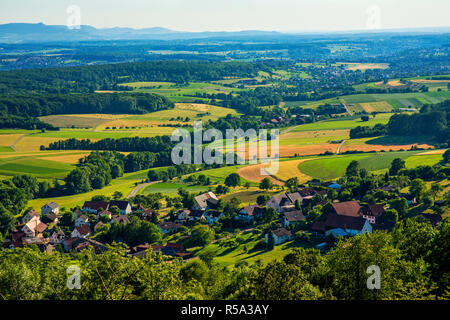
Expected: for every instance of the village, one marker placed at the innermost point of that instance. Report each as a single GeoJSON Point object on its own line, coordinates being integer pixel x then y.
{"type": "Point", "coordinates": [310, 214]}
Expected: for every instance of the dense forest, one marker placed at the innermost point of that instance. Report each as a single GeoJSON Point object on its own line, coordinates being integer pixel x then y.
{"type": "Point", "coordinates": [431, 121]}
{"type": "Point", "coordinates": [37, 105]}
{"type": "Point", "coordinates": [87, 79]}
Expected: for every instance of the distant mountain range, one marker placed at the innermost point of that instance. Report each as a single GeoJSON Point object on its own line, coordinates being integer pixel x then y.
{"type": "Point", "coordinates": [39, 32]}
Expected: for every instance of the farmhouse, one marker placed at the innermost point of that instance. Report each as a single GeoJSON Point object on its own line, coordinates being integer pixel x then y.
{"type": "Point", "coordinates": [34, 228]}
{"type": "Point", "coordinates": [94, 206]}
{"type": "Point", "coordinates": [124, 206]}
{"type": "Point", "coordinates": [168, 226]}
{"type": "Point", "coordinates": [182, 216]}
{"type": "Point", "coordinates": [50, 207]}
{"type": "Point", "coordinates": [249, 213]}
{"type": "Point", "coordinates": [284, 202]}
{"type": "Point", "coordinates": [81, 231]}
{"type": "Point", "coordinates": [81, 220]}
{"type": "Point", "coordinates": [292, 217]}
{"type": "Point", "coordinates": [342, 225]}
{"type": "Point", "coordinates": [373, 213]}
{"type": "Point", "coordinates": [205, 201]}
{"type": "Point", "coordinates": [30, 215]}
{"type": "Point", "coordinates": [280, 235]}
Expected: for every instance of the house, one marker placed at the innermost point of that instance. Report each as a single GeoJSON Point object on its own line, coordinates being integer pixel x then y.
{"type": "Point", "coordinates": [95, 206]}
{"type": "Point", "coordinates": [373, 213]}
{"type": "Point", "coordinates": [347, 208]}
{"type": "Point", "coordinates": [56, 236]}
{"type": "Point", "coordinates": [29, 215]}
{"type": "Point", "coordinates": [34, 228]}
{"type": "Point", "coordinates": [49, 208]}
{"type": "Point", "coordinates": [124, 206]}
{"type": "Point", "coordinates": [213, 216]}
{"type": "Point", "coordinates": [119, 219]}
{"type": "Point", "coordinates": [81, 220]}
{"type": "Point", "coordinates": [284, 201]}
{"type": "Point", "coordinates": [50, 218]}
{"type": "Point", "coordinates": [149, 215]}
{"type": "Point", "coordinates": [249, 213]}
{"type": "Point", "coordinates": [344, 219]}
{"type": "Point", "coordinates": [182, 216]}
{"type": "Point", "coordinates": [168, 226]}
{"type": "Point", "coordinates": [196, 215]}
{"type": "Point", "coordinates": [205, 201]}
{"type": "Point", "coordinates": [173, 250]}
{"type": "Point", "coordinates": [292, 217]}
{"type": "Point", "coordinates": [105, 213]}
{"type": "Point", "coordinates": [280, 235]}
{"type": "Point", "coordinates": [344, 225]}
{"type": "Point", "coordinates": [79, 244]}
{"type": "Point", "coordinates": [81, 231]}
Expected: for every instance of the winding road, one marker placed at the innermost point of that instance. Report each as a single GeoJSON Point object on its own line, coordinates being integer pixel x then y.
{"type": "Point", "coordinates": [139, 187]}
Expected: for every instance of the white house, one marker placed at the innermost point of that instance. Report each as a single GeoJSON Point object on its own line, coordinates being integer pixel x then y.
{"type": "Point", "coordinates": [292, 217]}
{"type": "Point", "coordinates": [339, 225]}
{"type": "Point", "coordinates": [81, 220]}
{"type": "Point", "coordinates": [81, 231]}
{"type": "Point", "coordinates": [124, 206]}
{"type": "Point", "coordinates": [49, 208]}
{"type": "Point", "coordinates": [34, 228]}
{"type": "Point", "coordinates": [30, 215]}
{"type": "Point", "coordinates": [284, 201]}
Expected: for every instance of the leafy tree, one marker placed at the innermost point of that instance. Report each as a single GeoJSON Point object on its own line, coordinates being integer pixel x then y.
{"type": "Point", "coordinates": [413, 237]}
{"type": "Point", "coordinates": [262, 199]}
{"type": "Point", "coordinates": [391, 215]}
{"type": "Point", "coordinates": [117, 195]}
{"type": "Point", "coordinates": [201, 235]}
{"type": "Point", "coordinates": [266, 184]}
{"type": "Point", "coordinates": [435, 189]}
{"type": "Point", "coordinates": [233, 180]}
{"type": "Point", "coordinates": [352, 169]}
{"type": "Point", "coordinates": [400, 205]}
{"type": "Point", "coordinates": [292, 184]}
{"type": "Point", "coordinates": [396, 165]}
{"type": "Point", "coordinates": [446, 156]}
{"type": "Point", "coordinates": [418, 188]}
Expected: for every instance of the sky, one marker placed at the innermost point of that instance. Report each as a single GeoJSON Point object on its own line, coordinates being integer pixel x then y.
{"type": "Point", "coordinates": [235, 15]}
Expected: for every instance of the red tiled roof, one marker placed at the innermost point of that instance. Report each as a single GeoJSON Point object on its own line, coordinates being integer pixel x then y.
{"type": "Point", "coordinates": [83, 229]}
{"type": "Point", "coordinates": [344, 222]}
{"type": "Point", "coordinates": [280, 232]}
{"type": "Point", "coordinates": [348, 208]}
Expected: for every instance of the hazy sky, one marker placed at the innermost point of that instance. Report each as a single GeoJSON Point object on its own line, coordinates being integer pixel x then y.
{"type": "Point", "coordinates": [201, 15]}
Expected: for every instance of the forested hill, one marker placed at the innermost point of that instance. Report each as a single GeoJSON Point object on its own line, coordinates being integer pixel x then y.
{"type": "Point", "coordinates": [433, 120]}
{"type": "Point", "coordinates": [87, 79]}
{"type": "Point", "coordinates": [36, 105]}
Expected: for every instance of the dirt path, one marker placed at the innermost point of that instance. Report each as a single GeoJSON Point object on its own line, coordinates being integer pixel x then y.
{"type": "Point", "coordinates": [17, 141]}
{"type": "Point", "coordinates": [139, 187]}
{"type": "Point", "coordinates": [346, 108]}
{"type": "Point", "coordinates": [338, 150]}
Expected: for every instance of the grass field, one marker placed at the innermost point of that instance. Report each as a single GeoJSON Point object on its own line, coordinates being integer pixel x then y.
{"type": "Point", "coordinates": [245, 251]}
{"type": "Point", "coordinates": [342, 124]}
{"type": "Point", "coordinates": [38, 167]}
{"type": "Point", "coordinates": [123, 184]}
{"type": "Point", "coordinates": [381, 102]}
{"type": "Point", "coordinates": [172, 188]}
{"type": "Point", "coordinates": [333, 167]}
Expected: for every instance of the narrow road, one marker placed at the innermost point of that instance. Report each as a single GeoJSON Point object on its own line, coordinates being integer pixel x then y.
{"type": "Point", "coordinates": [15, 142]}
{"type": "Point", "coordinates": [338, 150]}
{"type": "Point", "coordinates": [346, 108]}
{"type": "Point", "coordinates": [139, 187]}
{"type": "Point", "coordinates": [289, 129]}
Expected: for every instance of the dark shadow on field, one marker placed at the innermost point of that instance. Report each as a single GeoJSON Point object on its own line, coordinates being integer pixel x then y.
{"type": "Point", "coordinates": [401, 140]}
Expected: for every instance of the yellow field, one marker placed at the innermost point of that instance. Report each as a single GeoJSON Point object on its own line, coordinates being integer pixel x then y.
{"type": "Point", "coordinates": [366, 66]}
{"type": "Point", "coordinates": [145, 84]}
{"type": "Point", "coordinates": [253, 173]}
{"type": "Point", "coordinates": [8, 139]}
{"type": "Point", "coordinates": [30, 143]}
{"type": "Point", "coordinates": [289, 169]}
{"type": "Point", "coordinates": [379, 106]}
